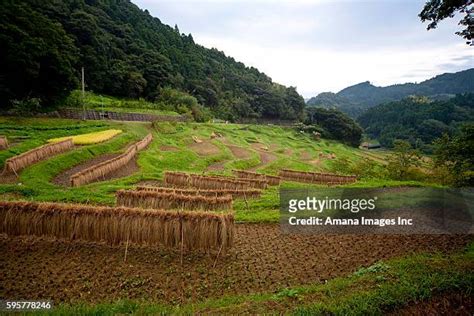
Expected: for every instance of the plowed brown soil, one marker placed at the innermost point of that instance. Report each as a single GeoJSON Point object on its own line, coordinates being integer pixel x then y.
{"type": "Point", "coordinates": [304, 155]}
{"type": "Point", "coordinates": [265, 159]}
{"type": "Point", "coordinates": [262, 259]}
{"type": "Point", "coordinates": [239, 152]}
{"type": "Point", "coordinates": [218, 166]}
{"type": "Point", "coordinates": [205, 148]}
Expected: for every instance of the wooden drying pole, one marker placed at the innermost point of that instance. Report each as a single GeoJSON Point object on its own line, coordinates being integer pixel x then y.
{"type": "Point", "coordinates": [83, 95]}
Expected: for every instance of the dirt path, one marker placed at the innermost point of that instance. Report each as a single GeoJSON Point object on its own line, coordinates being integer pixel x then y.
{"type": "Point", "coordinates": [305, 155]}
{"type": "Point", "coordinates": [239, 152]}
{"type": "Point", "coordinates": [265, 159]}
{"type": "Point", "coordinates": [262, 259]}
{"type": "Point", "coordinates": [128, 169]}
{"type": "Point", "coordinates": [218, 166]}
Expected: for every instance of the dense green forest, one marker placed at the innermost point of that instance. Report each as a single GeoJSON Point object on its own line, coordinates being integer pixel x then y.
{"type": "Point", "coordinates": [354, 100]}
{"type": "Point", "coordinates": [126, 53]}
{"type": "Point", "coordinates": [333, 124]}
{"type": "Point", "coordinates": [418, 120]}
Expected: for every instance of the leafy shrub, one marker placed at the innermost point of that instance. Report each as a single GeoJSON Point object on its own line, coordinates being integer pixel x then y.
{"type": "Point", "coordinates": [454, 156]}
{"type": "Point", "coordinates": [334, 124]}
{"type": "Point", "coordinates": [26, 106]}
{"type": "Point", "coordinates": [341, 165]}
{"type": "Point", "coordinates": [363, 168]}
{"type": "Point", "coordinates": [165, 127]}
{"type": "Point", "coordinates": [404, 163]}
{"type": "Point", "coordinates": [369, 169]}
{"type": "Point", "coordinates": [286, 292]}
{"type": "Point", "coordinates": [310, 129]}
{"type": "Point", "coordinates": [376, 267]}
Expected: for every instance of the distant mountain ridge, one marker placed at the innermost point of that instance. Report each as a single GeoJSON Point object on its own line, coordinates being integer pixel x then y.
{"type": "Point", "coordinates": [418, 120]}
{"type": "Point", "coordinates": [356, 99]}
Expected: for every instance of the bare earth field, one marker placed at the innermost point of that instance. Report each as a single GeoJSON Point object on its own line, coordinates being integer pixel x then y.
{"type": "Point", "coordinates": [262, 259]}
{"type": "Point", "coordinates": [239, 152]}
{"type": "Point", "coordinates": [205, 148]}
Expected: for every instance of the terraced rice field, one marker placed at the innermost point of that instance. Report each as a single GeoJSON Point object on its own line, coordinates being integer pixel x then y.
{"type": "Point", "coordinates": [89, 138]}
{"type": "Point", "coordinates": [264, 271]}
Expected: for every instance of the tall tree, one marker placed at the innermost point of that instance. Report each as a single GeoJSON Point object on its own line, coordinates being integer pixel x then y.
{"type": "Point", "coordinates": [456, 155]}
{"type": "Point", "coordinates": [403, 159]}
{"type": "Point", "coordinates": [135, 85]}
{"type": "Point", "coordinates": [335, 125]}
{"type": "Point", "coordinates": [37, 59]}
{"type": "Point", "coordinates": [435, 11]}
{"type": "Point", "coordinates": [127, 53]}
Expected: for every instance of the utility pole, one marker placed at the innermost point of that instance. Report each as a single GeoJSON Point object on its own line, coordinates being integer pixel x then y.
{"type": "Point", "coordinates": [102, 104]}
{"type": "Point", "coordinates": [83, 96]}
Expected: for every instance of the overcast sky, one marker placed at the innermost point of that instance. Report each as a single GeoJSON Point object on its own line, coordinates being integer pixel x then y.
{"type": "Point", "coordinates": [322, 45]}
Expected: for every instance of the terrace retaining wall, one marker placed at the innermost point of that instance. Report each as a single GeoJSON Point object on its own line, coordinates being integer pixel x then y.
{"type": "Point", "coordinates": [78, 114]}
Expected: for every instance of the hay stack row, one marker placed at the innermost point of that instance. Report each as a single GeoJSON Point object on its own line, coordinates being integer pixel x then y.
{"type": "Point", "coordinates": [180, 179]}
{"type": "Point", "coordinates": [3, 142]}
{"type": "Point", "coordinates": [103, 169]}
{"type": "Point", "coordinates": [117, 225]}
{"type": "Point", "coordinates": [19, 162]}
{"type": "Point", "coordinates": [316, 177]}
{"type": "Point", "coordinates": [142, 144]}
{"type": "Point", "coordinates": [168, 200]}
{"type": "Point", "coordinates": [249, 193]}
{"type": "Point", "coordinates": [253, 183]}
{"type": "Point", "coordinates": [271, 180]}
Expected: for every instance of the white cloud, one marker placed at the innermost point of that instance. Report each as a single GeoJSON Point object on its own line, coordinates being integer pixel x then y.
{"type": "Point", "coordinates": [322, 45]}
{"type": "Point", "coordinates": [316, 70]}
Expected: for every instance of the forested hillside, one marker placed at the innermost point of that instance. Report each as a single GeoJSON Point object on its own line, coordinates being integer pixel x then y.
{"type": "Point", "coordinates": [418, 119]}
{"type": "Point", "coordinates": [333, 124]}
{"type": "Point", "coordinates": [126, 53]}
{"type": "Point", "coordinates": [354, 100]}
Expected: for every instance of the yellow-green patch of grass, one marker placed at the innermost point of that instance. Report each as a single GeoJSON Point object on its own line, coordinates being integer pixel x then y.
{"type": "Point", "coordinates": [89, 138]}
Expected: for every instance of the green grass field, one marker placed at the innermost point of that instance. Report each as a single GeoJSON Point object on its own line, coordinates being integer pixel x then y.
{"type": "Point", "coordinates": [288, 148]}
{"type": "Point", "coordinates": [369, 291]}
{"type": "Point", "coordinates": [108, 103]}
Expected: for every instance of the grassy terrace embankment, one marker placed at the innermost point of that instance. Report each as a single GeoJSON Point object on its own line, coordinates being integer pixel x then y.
{"type": "Point", "coordinates": [262, 148]}
{"type": "Point", "coordinates": [389, 271]}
